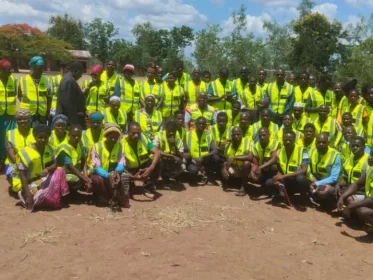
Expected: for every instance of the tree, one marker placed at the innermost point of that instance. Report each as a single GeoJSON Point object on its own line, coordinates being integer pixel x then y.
{"type": "Point", "coordinates": [100, 35]}
{"type": "Point", "coordinates": [360, 31]}
{"type": "Point", "coordinates": [68, 29]}
{"type": "Point", "coordinates": [209, 51]}
{"type": "Point", "coordinates": [21, 41]}
{"type": "Point", "coordinates": [305, 8]}
{"type": "Point", "coordinates": [317, 44]}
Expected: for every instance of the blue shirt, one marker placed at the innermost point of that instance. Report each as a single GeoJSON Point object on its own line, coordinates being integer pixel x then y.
{"type": "Point", "coordinates": [334, 174]}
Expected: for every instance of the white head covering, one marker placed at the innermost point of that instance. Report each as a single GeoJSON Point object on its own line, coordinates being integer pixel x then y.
{"type": "Point", "coordinates": [298, 105]}
{"type": "Point", "coordinates": [116, 98]}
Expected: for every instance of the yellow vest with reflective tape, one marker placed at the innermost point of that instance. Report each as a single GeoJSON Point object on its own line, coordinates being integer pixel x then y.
{"type": "Point", "coordinates": [135, 159]}
{"type": "Point", "coordinates": [254, 129]}
{"type": "Point", "coordinates": [369, 131]}
{"type": "Point", "coordinates": [129, 96]}
{"type": "Point", "coordinates": [354, 170]}
{"type": "Point", "coordinates": [95, 99]}
{"type": "Point", "coordinates": [321, 165]}
{"type": "Point", "coordinates": [109, 160]}
{"type": "Point", "coordinates": [147, 89]}
{"type": "Point", "coordinates": [171, 100]}
{"type": "Point", "coordinates": [54, 142]}
{"type": "Point", "coordinates": [198, 146]}
{"type": "Point", "coordinates": [55, 81]}
{"type": "Point", "coordinates": [357, 115]}
{"type": "Point", "coordinates": [8, 92]}
{"type": "Point", "coordinates": [263, 87]}
{"type": "Point", "coordinates": [148, 129]}
{"type": "Point", "coordinates": [251, 100]}
{"type": "Point", "coordinates": [120, 120]}
{"type": "Point", "coordinates": [298, 137]}
{"type": "Point", "coordinates": [369, 182]}
{"type": "Point", "coordinates": [18, 141]}
{"type": "Point", "coordinates": [31, 159]}
{"type": "Point", "coordinates": [242, 150]}
{"type": "Point", "coordinates": [34, 98]}
{"type": "Point", "coordinates": [301, 96]}
{"type": "Point", "coordinates": [217, 136]}
{"type": "Point", "coordinates": [299, 124]}
{"type": "Point", "coordinates": [264, 154]}
{"type": "Point", "coordinates": [163, 143]}
{"type": "Point", "coordinates": [88, 141]}
{"type": "Point", "coordinates": [317, 99]}
{"type": "Point", "coordinates": [292, 164]}
{"type": "Point", "coordinates": [278, 99]}
{"type": "Point", "coordinates": [76, 154]}
{"type": "Point", "coordinates": [192, 91]}
{"type": "Point", "coordinates": [111, 82]}
{"type": "Point", "coordinates": [195, 113]}
{"type": "Point", "coordinates": [239, 87]}
{"type": "Point", "coordinates": [231, 121]}
{"type": "Point", "coordinates": [219, 90]}
{"type": "Point", "coordinates": [329, 126]}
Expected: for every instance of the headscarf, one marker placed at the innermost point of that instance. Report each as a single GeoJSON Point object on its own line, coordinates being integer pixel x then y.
{"type": "Point", "coordinates": [114, 98]}
{"type": "Point", "coordinates": [129, 67]}
{"type": "Point", "coordinates": [111, 127]}
{"type": "Point", "coordinates": [36, 61]}
{"type": "Point", "coordinates": [60, 118]}
{"type": "Point", "coordinates": [150, 95]}
{"type": "Point", "coordinates": [96, 117]}
{"type": "Point", "coordinates": [5, 64]}
{"type": "Point", "coordinates": [40, 128]}
{"type": "Point", "coordinates": [298, 105]}
{"type": "Point", "coordinates": [97, 69]}
{"type": "Point", "coordinates": [23, 113]}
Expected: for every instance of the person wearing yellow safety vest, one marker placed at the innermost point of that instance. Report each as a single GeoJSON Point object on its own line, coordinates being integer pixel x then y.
{"type": "Point", "coordinates": [149, 118]}
{"type": "Point", "coordinates": [237, 164]}
{"type": "Point", "coordinates": [34, 91]}
{"type": "Point", "coordinates": [250, 98]}
{"type": "Point", "coordinates": [233, 114]}
{"type": "Point", "coordinates": [325, 169]}
{"type": "Point", "coordinates": [287, 124]}
{"type": "Point", "coordinates": [150, 86]}
{"type": "Point", "coordinates": [344, 102]}
{"type": "Point", "coordinates": [181, 77]}
{"type": "Point", "coordinates": [346, 122]}
{"type": "Point", "coordinates": [38, 183]}
{"type": "Point", "coordinates": [359, 114]}
{"type": "Point", "coordinates": [201, 153]}
{"type": "Point", "coordinates": [367, 92]}
{"type": "Point", "coordinates": [262, 75]}
{"type": "Point", "coordinates": [206, 77]}
{"type": "Point", "coordinates": [239, 84]}
{"type": "Point", "coordinates": [265, 121]}
{"type": "Point", "coordinates": [201, 109]}
{"type": "Point", "coordinates": [309, 140]}
{"type": "Point", "coordinates": [292, 79]}
{"type": "Point", "coordinates": [264, 154]}
{"type": "Point", "coordinates": [96, 91]}
{"type": "Point", "coordinates": [244, 125]}
{"type": "Point", "coordinates": [220, 132]}
{"type": "Point", "coordinates": [194, 87]}
{"type": "Point", "coordinates": [8, 105]}
{"type": "Point", "coordinates": [54, 83]}
{"type": "Point", "coordinates": [353, 200]}
{"type": "Point", "coordinates": [172, 97]}
{"type": "Point", "coordinates": [140, 165]}
{"type": "Point", "coordinates": [355, 165]}
{"type": "Point", "coordinates": [326, 124]}
{"type": "Point", "coordinates": [105, 165]}
{"type": "Point", "coordinates": [114, 114]}
{"type": "Point", "coordinates": [221, 91]}
{"type": "Point", "coordinates": [16, 139]}
{"type": "Point", "coordinates": [299, 118]}
{"type": "Point", "coordinates": [95, 132]}
{"type": "Point", "coordinates": [292, 161]}
{"type": "Point", "coordinates": [171, 148]}
{"type": "Point", "coordinates": [110, 77]}
{"type": "Point", "coordinates": [303, 89]}
{"type": "Point", "coordinates": [339, 96]}
{"type": "Point", "coordinates": [280, 96]}
{"type": "Point", "coordinates": [59, 134]}
{"type": "Point", "coordinates": [179, 117]}
{"type": "Point", "coordinates": [71, 156]}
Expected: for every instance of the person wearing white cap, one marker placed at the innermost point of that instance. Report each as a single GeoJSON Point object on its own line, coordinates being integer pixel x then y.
{"type": "Point", "coordinates": [299, 118]}
{"type": "Point", "coordinates": [114, 114]}
{"type": "Point", "coordinates": [129, 91]}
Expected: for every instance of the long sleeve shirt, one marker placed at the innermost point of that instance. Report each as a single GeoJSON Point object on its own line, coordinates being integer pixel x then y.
{"type": "Point", "coordinates": [96, 162]}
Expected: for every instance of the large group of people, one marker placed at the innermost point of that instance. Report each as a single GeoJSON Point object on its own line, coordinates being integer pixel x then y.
{"type": "Point", "coordinates": [287, 137]}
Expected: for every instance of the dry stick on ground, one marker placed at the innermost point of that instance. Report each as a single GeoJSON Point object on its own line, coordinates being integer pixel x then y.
{"type": "Point", "coordinates": [42, 236]}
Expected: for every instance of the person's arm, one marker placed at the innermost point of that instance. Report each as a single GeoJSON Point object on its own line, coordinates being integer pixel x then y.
{"type": "Point", "coordinates": [29, 197]}
{"type": "Point", "coordinates": [290, 104]}
{"type": "Point", "coordinates": [271, 161]}
{"type": "Point", "coordinates": [334, 175]}
{"type": "Point", "coordinates": [187, 118]}
{"type": "Point", "coordinates": [160, 103]}
{"type": "Point", "coordinates": [156, 156]}
{"type": "Point", "coordinates": [117, 89]}
{"type": "Point", "coordinates": [352, 189]}
{"type": "Point", "coordinates": [309, 108]}
{"type": "Point", "coordinates": [213, 150]}
{"type": "Point", "coordinates": [213, 98]}
{"type": "Point", "coordinates": [367, 202]}
{"type": "Point", "coordinates": [10, 151]}
{"type": "Point", "coordinates": [67, 161]}
{"type": "Point", "coordinates": [365, 118]}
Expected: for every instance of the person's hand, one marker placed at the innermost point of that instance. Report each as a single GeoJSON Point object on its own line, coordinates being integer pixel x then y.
{"type": "Point", "coordinates": [106, 99]}
{"type": "Point", "coordinates": [229, 163]}
{"type": "Point", "coordinates": [44, 172]}
{"type": "Point", "coordinates": [278, 177]}
{"type": "Point", "coordinates": [88, 187]}
{"type": "Point", "coordinates": [114, 178]}
{"type": "Point", "coordinates": [145, 173]}
{"type": "Point", "coordinates": [313, 187]}
{"type": "Point", "coordinates": [225, 173]}
{"type": "Point", "coordinates": [253, 176]}
{"type": "Point", "coordinates": [340, 204]}
{"type": "Point", "coordinates": [176, 158]}
{"type": "Point", "coordinates": [29, 201]}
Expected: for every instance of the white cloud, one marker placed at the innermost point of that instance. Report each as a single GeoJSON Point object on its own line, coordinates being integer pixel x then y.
{"type": "Point", "coordinates": [360, 3]}
{"type": "Point", "coordinates": [123, 13]}
{"type": "Point", "coordinates": [277, 2]}
{"type": "Point", "coordinates": [218, 2]}
{"type": "Point", "coordinates": [327, 9]}
{"type": "Point", "coordinates": [254, 24]}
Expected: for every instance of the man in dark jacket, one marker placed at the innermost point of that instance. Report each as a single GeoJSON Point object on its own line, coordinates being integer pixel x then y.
{"type": "Point", "coordinates": [70, 99]}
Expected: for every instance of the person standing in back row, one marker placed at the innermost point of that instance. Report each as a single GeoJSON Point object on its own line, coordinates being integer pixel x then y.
{"type": "Point", "coordinates": [220, 91]}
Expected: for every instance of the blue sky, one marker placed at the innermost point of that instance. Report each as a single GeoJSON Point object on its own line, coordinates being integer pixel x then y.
{"type": "Point", "coordinates": [168, 13]}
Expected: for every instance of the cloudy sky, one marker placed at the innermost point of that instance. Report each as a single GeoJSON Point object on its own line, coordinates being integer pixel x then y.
{"type": "Point", "coordinates": [168, 13]}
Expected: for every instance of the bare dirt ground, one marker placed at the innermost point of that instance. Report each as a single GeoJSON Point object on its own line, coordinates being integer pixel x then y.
{"type": "Point", "coordinates": [198, 233]}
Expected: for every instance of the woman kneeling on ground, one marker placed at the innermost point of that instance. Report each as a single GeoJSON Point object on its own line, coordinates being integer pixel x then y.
{"type": "Point", "coordinates": [39, 184]}
{"type": "Point", "coordinates": [106, 163]}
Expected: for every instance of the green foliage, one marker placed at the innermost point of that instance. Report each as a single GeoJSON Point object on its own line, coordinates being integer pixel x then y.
{"type": "Point", "coordinates": [68, 29]}
{"type": "Point", "coordinates": [100, 39]}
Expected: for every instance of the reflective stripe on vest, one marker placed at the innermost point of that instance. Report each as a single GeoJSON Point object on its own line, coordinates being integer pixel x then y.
{"type": "Point", "coordinates": [8, 103]}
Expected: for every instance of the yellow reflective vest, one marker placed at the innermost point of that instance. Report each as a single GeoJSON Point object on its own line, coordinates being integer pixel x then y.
{"type": "Point", "coordinates": [164, 145]}
{"type": "Point", "coordinates": [298, 137]}
{"type": "Point", "coordinates": [95, 98]}
{"type": "Point", "coordinates": [171, 100]}
{"type": "Point", "coordinates": [18, 142]}
{"type": "Point", "coordinates": [254, 129]}
{"type": "Point", "coordinates": [219, 90]}
{"type": "Point", "coordinates": [218, 137]}
{"type": "Point", "coordinates": [88, 141]}
{"type": "Point", "coordinates": [198, 147]}
{"type": "Point", "coordinates": [120, 119]}
{"type": "Point", "coordinates": [55, 82]}
{"type": "Point", "coordinates": [264, 154]}
{"type": "Point", "coordinates": [192, 90]}
{"type": "Point", "coordinates": [76, 154]}
{"type": "Point", "coordinates": [195, 113]}
{"type": "Point", "coordinates": [369, 182]}
{"type": "Point", "coordinates": [369, 131]}
{"type": "Point", "coordinates": [139, 156]}
{"type": "Point", "coordinates": [242, 150]}
{"type": "Point", "coordinates": [321, 165]}
{"type": "Point", "coordinates": [250, 99]}
{"type": "Point", "coordinates": [354, 169]}
{"type": "Point", "coordinates": [329, 126]}
{"type": "Point", "coordinates": [316, 99]}
{"type": "Point", "coordinates": [55, 142]}
{"type": "Point", "coordinates": [8, 93]}
{"type": "Point", "coordinates": [32, 160]}
{"type": "Point", "coordinates": [302, 96]}
{"type": "Point", "coordinates": [279, 98]}
{"type": "Point", "coordinates": [150, 125]}
{"type": "Point", "coordinates": [129, 96]}
{"type": "Point", "coordinates": [109, 160]}
{"type": "Point", "coordinates": [291, 164]}
{"type": "Point", "coordinates": [147, 89]}
{"type": "Point", "coordinates": [238, 87]}
{"type": "Point", "coordinates": [232, 121]}
{"type": "Point", "coordinates": [110, 82]}
{"type": "Point", "coordinates": [34, 98]}
{"type": "Point", "coordinates": [299, 124]}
